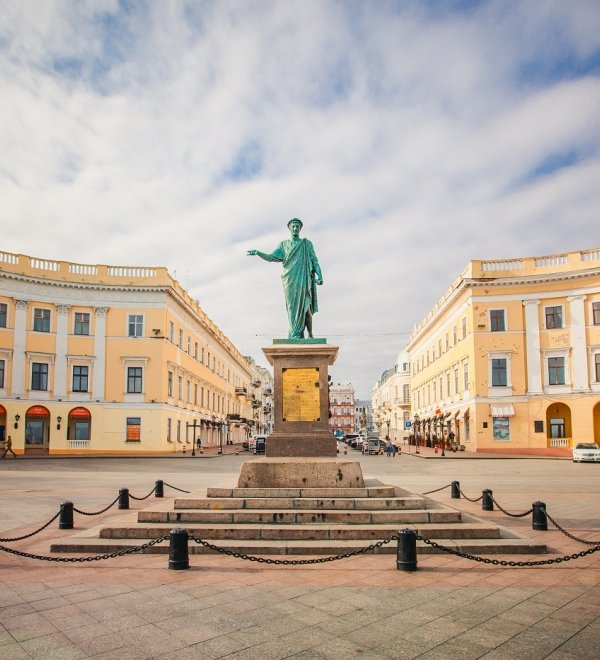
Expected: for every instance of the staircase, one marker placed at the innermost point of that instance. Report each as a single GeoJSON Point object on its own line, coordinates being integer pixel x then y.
{"type": "Point", "coordinates": [299, 521]}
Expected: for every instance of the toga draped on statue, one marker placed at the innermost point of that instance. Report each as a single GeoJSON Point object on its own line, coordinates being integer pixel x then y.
{"type": "Point", "coordinates": [299, 286]}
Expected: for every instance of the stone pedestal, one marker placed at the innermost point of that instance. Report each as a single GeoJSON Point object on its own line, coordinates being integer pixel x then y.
{"type": "Point", "coordinates": [301, 399]}
{"type": "Point", "coordinates": [301, 473]}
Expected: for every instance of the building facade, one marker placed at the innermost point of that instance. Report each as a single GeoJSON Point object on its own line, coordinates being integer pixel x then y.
{"type": "Point", "coordinates": [391, 400]}
{"type": "Point", "coordinates": [110, 359]}
{"type": "Point", "coordinates": [342, 407]}
{"type": "Point", "coordinates": [508, 361]}
{"type": "Point", "coordinates": [364, 422]}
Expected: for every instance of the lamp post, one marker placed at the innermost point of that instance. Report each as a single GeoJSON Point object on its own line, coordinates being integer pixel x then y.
{"type": "Point", "coordinates": [193, 425]}
{"type": "Point", "coordinates": [417, 423]}
{"type": "Point", "coordinates": [443, 440]}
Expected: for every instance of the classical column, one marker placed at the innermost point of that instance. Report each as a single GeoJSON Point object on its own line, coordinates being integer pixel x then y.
{"type": "Point", "coordinates": [532, 343]}
{"type": "Point", "coordinates": [60, 366]}
{"type": "Point", "coordinates": [100, 353]}
{"type": "Point", "coordinates": [580, 376]}
{"type": "Point", "coordinates": [18, 366]}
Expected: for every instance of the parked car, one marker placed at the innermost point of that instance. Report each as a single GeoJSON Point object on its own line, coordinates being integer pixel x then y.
{"type": "Point", "coordinates": [586, 451]}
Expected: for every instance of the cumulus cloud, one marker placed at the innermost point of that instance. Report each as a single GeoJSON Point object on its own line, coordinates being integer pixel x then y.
{"type": "Point", "coordinates": [410, 137]}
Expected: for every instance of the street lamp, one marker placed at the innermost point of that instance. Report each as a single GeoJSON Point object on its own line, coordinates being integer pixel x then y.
{"type": "Point", "coordinates": [193, 425]}
{"type": "Point", "coordinates": [442, 439]}
{"type": "Point", "coordinates": [417, 423]}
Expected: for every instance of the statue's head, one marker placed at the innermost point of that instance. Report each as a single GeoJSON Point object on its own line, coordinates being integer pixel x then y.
{"type": "Point", "coordinates": [296, 220]}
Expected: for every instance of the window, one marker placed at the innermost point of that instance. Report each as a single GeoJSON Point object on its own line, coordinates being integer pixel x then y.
{"type": "Point", "coordinates": [41, 320]}
{"type": "Point", "coordinates": [501, 429]}
{"type": "Point", "coordinates": [170, 384]}
{"type": "Point", "coordinates": [189, 346]}
{"type": "Point", "coordinates": [554, 317]}
{"type": "Point", "coordinates": [82, 323]}
{"type": "Point", "coordinates": [464, 327]}
{"type": "Point", "coordinates": [497, 320]}
{"type": "Point", "coordinates": [180, 340]}
{"type": "Point", "coordinates": [169, 429]}
{"type": "Point", "coordinates": [499, 372]}
{"type": "Point", "coordinates": [195, 350]}
{"type": "Point", "coordinates": [188, 391]}
{"type": "Point", "coordinates": [406, 393]}
{"type": "Point", "coordinates": [454, 336]}
{"type": "Point", "coordinates": [597, 366]}
{"type": "Point", "coordinates": [447, 342]}
{"type": "Point", "coordinates": [456, 380]}
{"type": "Point", "coordinates": [81, 429]}
{"type": "Point", "coordinates": [2, 366]}
{"type": "Point", "coordinates": [171, 331]}
{"type": "Point", "coordinates": [195, 394]}
{"type": "Point", "coordinates": [39, 376]}
{"type": "Point", "coordinates": [447, 383]}
{"type": "Point", "coordinates": [3, 314]}
{"type": "Point", "coordinates": [595, 314]}
{"type": "Point", "coordinates": [180, 387]}
{"type": "Point", "coordinates": [136, 326]}
{"type": "Point", "coordinates": [134, 426]}
{"type": "Point", "coordinates": [556, 371]}
{"type": "Point", "coordinates": [557, 428]}
{"type": "Point", "coordinates": [80, 378]}
{"type": "Point", "coordinates": [134, 380]}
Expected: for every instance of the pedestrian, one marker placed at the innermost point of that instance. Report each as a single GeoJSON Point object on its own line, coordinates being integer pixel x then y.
{"type": "Point", "coordinates": [198, 442]}
{"type": "Point", "coordinates": [8, 447]}
{"type": "Point", "coordinates": [389, 449]}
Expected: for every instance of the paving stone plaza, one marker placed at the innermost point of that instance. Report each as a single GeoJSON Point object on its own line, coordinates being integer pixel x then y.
{"type": "Point", "coordinates": [224, 607]}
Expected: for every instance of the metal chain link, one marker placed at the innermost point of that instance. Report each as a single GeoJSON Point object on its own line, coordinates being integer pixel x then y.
{"type": "Point", "coordinates": [571, 536]}
{"type": "Point", "coordinates": [294, 562]}
{"type": "Point", "coordinates": [175, 488]}
{"type": "Point", "coordinates": [504, 562]}
{"type": "Point", "coordinates": [133, 497]}
{"type": "Point", "coordinates": [112, 555]}
{"type": "Point", "coordinates": [26, 536]}
{"type": "Point", "coordinates": [97, 513]}
{"type": "Point", "coordinates": [437, 489]}
{"type": "Point", "coordinates": [470, 499]}
{"type": "Point", "coordinates": [513, 515]}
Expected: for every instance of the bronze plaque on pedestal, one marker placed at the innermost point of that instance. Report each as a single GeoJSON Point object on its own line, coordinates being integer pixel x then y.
{"type": "Point", "coordinates": [301, 395]}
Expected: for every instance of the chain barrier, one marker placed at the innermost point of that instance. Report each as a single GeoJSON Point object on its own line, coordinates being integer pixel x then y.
{"type": "Point", "coordinates": [512, 515]}
{"type": "Point", "coordinates": [175, 488]}
{"type": "Point", "coordinates": [571, 536]}
{"type": "Point", "coordinates": [470, 499]}
{"type": "Point", "coordinates": [437, 490]}
{"type": "Point", "coordinates": [504, 562]}
{"type": "Point", "coordinates": [111, 555]}
{"type": "Point", "coordinates": [133, 497]}
{"type": "Point", "coordinates": [96, 513]}
{"type": "Point", "coordinates": [294, 562]}
{"type": "Point", "coordinates": [26, 536]}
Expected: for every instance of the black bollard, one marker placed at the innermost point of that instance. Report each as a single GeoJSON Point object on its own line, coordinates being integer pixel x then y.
{"type": "Point", "coordinates": [539, 519]}
{"type": "Point", "coordinates": [65, 520]}
{"type": "Point", "coordinates": [455, 490]}
{"type": "Point", "coordinates": [487, 503]}
{"type": "Point", "coordinates": [178, 550]}
{"type": "Point", "coordinates": [123, 498]}
{"type": "Point", "coordinates": [159, 488]}
{"type": "Point", "coordinates": [406, 555]}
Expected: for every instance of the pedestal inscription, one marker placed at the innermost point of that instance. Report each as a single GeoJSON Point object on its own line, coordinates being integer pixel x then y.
{"type": "Point", "coordinates": [300, 393]}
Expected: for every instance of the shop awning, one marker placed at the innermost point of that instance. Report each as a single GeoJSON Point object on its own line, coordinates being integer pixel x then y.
{"type": "Point", "coordinates": [80, 412]}
{"type": "Point", "coordinates": [463, 413]}
{"type": "Point", "coordinates": [506, 410]}
{"type": "Point", "coordinates": [38, 411]}
{"type": "Point", "coordinates": [2, 410]}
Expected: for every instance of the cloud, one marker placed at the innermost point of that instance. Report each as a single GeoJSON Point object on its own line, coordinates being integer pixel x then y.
{"type": "Point", "coordinates": [184, 133]}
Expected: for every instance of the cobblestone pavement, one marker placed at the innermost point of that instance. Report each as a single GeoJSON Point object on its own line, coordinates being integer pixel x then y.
{"type": "Point", "coordinates": [133, 607]}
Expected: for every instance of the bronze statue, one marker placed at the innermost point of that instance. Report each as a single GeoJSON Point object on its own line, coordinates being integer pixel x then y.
{"type": "Point", "coordinates": [301, 273]}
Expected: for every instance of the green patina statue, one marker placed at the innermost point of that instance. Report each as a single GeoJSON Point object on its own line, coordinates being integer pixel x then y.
{"type": "Point", "coordinates": [301, 273]}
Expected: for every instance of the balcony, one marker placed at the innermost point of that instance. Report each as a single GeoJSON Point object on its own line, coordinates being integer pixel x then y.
{"type": "Point", "coordinates": [256, 382]}
{"type": "Point", "coordinates": [268, 391]}
{"type": "Point", "coordinates": [241, 391]}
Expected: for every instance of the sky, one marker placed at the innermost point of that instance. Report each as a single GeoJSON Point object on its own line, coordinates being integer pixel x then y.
{"type": "Point", "coordinates": [409, 136]}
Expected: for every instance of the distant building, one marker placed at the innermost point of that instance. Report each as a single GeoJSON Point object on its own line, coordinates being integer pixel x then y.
{"type": "Point", "coordinates": [508, 361]}
{"type": "Point", "coordinates": [363, 417]}
{"type": "Point", "coordinates": [112, 359]}
{"type": "Point", "coordinates": [342, 407]}
{"type": "Point", "coordinates": [262, 399]}
{"type": "Point", "coordinates": [392, 402]}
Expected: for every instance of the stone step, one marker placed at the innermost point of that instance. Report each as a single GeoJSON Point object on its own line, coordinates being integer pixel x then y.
{"type": "Point", "coordinates": [304, 516]}
{"type": "Point", "coordinates": [328, 503]}
{"type": "Point", "coordinates": [369, 491]}
{"type": "Point", "coordinates": [81, 544]}
{"type": "Point", "coordinates": [303, 532]}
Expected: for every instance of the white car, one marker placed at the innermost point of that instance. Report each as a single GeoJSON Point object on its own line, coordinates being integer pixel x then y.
{"type": "Point", "coordinates": [586, 451]}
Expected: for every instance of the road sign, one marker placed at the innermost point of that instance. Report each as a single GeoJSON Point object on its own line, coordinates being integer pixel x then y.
{"type": "Point", "coordinates": [407, 424]}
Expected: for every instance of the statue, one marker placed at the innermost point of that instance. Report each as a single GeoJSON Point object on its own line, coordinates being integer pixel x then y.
{"type": "Point", "coordinates": [301, 273]}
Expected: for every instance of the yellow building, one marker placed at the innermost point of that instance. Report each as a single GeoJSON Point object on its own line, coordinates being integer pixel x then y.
{"type": "Point", "coordinates": [509, 359]}
{"type": "Point", "coordinates": [113, 359]}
